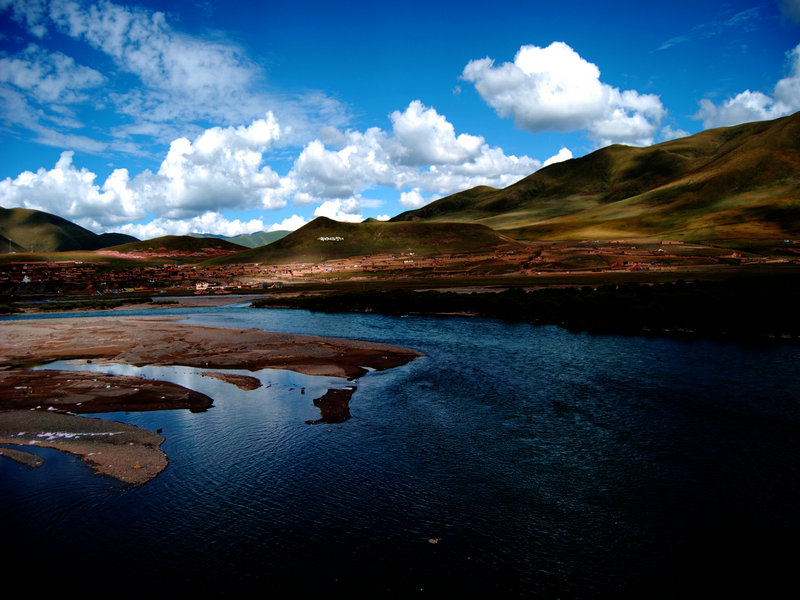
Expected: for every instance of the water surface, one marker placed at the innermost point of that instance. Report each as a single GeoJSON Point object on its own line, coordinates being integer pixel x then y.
{"type": "Point", "coordinates": [526, 461]}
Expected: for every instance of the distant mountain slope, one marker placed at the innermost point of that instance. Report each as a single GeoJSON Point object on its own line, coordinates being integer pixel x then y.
{"type": "Point", "coordinates": [248, 240]}
{"type": "Point", "coordinates": [325, 239]}
{"type": "Point", "coordinates": [741, 181]}
{"type": "Point", "coordinates": [37, 231]}
{"type": "Point", "coordinates": [182, 244]}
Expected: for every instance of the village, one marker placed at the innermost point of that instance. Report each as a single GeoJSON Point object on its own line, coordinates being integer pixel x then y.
{"type": "Point", "coordinates": [98, 277]}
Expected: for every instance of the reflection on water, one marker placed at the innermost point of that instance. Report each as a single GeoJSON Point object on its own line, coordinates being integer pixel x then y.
{"type": "Point", "coordinates": [329, 394]}
{"type": "Point", "coordinates": [542, 463]}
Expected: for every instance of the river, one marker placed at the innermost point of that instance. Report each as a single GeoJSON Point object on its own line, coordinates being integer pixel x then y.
{"type": "Point", "coordinates": [512, 459]}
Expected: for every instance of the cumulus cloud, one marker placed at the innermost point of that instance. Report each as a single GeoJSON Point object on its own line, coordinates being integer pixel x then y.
{"type": "Point", "coordinates": [555, 89]}
{"type": "Point", "coordinates": [424, 137]}
{"type": "Point", "coordinates": [209, 222]}
{"type": "Point", "coordinates": [422, 151]}
{"type": "Point", "coordinates": [223, 168]}
{"type": "Point", "coordinates": [413, 199]}
{"type": "Point", "coordinates": [220, 169]}
{"type": "Point", "coordinates": [288, 224]}
{"type": "Point", "coordinates": [73, 194]}
{"type": "Point", "coordinates": [754, 105]}
{"type": "Point", "coordinates": [561, 156]}
{"type": "Point", "coordinates": [340, 210]}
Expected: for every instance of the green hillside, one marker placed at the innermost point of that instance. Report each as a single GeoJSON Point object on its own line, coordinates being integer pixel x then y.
{"type": "Point", "coordinates": [185, 244]}
{"type": "Point", "coordinates": [325, 239]}
{"type": "Point", "coordinates": [37, 231]}
{"type": "Point", "coordinates": [733, 182]}
{"type": "Point", "coordinates": [248, 240]}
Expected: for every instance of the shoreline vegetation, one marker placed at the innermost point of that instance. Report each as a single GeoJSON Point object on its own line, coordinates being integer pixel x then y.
{"type": "Point", "coordinates": [736, 308]}
{"type": "Point", "coordinates": [42, 407]}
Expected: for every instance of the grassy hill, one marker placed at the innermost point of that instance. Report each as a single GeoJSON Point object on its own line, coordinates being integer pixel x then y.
{"type": "Point", "coordinates": [732, 182]}
{"type": "Point", "coordinates": [179, 244]}
{"type": "Point", "coordinates": [325, 239]}
{"type": "Point", "coordinates": [248, 240]}
{"type": "Point", "coordinates": [37, 231]}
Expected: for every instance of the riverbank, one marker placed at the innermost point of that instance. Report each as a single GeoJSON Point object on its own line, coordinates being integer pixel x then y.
{"type": "Point", "coordinates": [39, 407]}
{"type": "Point", "coordinates": [166, 341]}
{"type": "Point", "coordinates": [756, 308]}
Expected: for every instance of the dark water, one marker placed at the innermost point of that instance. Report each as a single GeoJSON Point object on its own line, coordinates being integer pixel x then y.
{"type": "Point", "coordinates": [542, 463]}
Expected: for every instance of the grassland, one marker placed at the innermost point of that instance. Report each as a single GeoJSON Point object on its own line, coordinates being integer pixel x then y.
{"type": "Point", "coordinates": [26, 230]}
{"type": "Point", "coordinates": [324, 239]}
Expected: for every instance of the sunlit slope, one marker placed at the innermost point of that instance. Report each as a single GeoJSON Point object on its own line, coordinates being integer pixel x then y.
{"type": "Point", "coordinates": [248, 240]}
{"type": "Point", "coordinates": [325, 239]}
{"type": "Point", "coordinates": [177, 243]}
{"type": "Point", "coordinates": [733, 182]}
{"type": "Point", "coordinates": [37, 231]}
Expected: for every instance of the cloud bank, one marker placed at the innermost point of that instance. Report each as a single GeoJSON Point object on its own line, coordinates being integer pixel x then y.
{"type": "Point", "coordinates": [223, 169]}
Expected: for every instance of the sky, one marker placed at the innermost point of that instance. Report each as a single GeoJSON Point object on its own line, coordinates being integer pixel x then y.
{"type": "Point", "coordinates": [153, 118]}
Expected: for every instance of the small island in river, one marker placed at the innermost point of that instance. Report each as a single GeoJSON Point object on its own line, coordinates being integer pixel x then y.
{"type": "Point", "coordinates": [40, 407]}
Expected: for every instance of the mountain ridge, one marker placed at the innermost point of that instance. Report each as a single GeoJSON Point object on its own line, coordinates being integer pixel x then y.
{"type": "Point", "coordinates": [30, 230]}
{"type": "Point", "coordinates": [728, 182]}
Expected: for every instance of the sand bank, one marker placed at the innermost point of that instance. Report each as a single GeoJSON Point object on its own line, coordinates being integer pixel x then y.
{"type": "Point", "coordinates": [125, 452]}
{"type": "Point", "coordinates": [167, 341]}
{"type": "Point", "coordinates": [86, 392]}
{"type": "Point", "coordinates": [31, 401]}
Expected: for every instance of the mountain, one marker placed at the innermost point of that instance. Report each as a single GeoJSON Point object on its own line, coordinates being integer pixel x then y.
{"type": "Point", "coordinates": [324, 239]}
{"type": "Point", "coordinates": [36, 231]}
{"type": "Point", "coordinates": [178, 244]}
{"type": "Point", "coordinates": [248, 240]}
{"type": "Point", "coordinates": [732, 182]}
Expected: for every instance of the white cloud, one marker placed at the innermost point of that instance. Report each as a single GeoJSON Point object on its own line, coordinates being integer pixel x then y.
{"type": "Point", "coordinates": [669, 133]}
{"type": "Point", "coordinates": [555, 89]}
{"type": "Point", "coordinates": [413, 199]}
{"type": "Point", "coordinates": [221, 169]}
{"type": "Point", "coordinates": [159, 83]}
{"type": "Point", "coordinates": [209, 222]}
{"type": "Point", "coordinates": [563, 154]}
{"type": "Point", "coordinates": [73, 194]}
{"type": "Point", "coordinates": [424, 137]}
{"type": "Point", "coordinates": [288, 224]}
{"type": "Point", "coordinates": [49, 77]}
{"type": "Point", "coordinates": [340, 210]}
{"type": "Point", "coordinates": [754, 105]}
{"type": "Point", "coordinates": [422, 151]}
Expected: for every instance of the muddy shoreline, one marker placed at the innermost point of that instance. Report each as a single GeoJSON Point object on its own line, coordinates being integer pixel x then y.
{"type": "Point", "coordinates": [41, 407]}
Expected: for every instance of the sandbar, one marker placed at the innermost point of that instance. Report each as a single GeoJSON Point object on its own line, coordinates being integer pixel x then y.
{"type": "Point", "coordinates": [39, 407]}
{"type": "Point", "coordinates": [125, 452]}
{"type": "Point", "coordinates": [166, 341]}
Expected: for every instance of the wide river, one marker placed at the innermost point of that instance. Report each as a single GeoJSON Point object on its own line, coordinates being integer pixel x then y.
{"type": "Point", "coordinates": [520, 460]}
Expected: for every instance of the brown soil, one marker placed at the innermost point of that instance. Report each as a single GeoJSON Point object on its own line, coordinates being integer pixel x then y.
{"type": "Point", "coordinates": [334, 406]}
{"type": "Point", "coordinates": [125, 452]}
{"type": "Point", "coordinates": [85, 392]}
{"type": "Point", "coordinates": [144, 341]}
{"type": "Point", "coordinates": [243, 382]}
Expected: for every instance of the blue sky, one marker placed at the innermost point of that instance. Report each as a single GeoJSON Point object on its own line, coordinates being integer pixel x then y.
{"type": "Point", "coordinates": [157, 118]}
